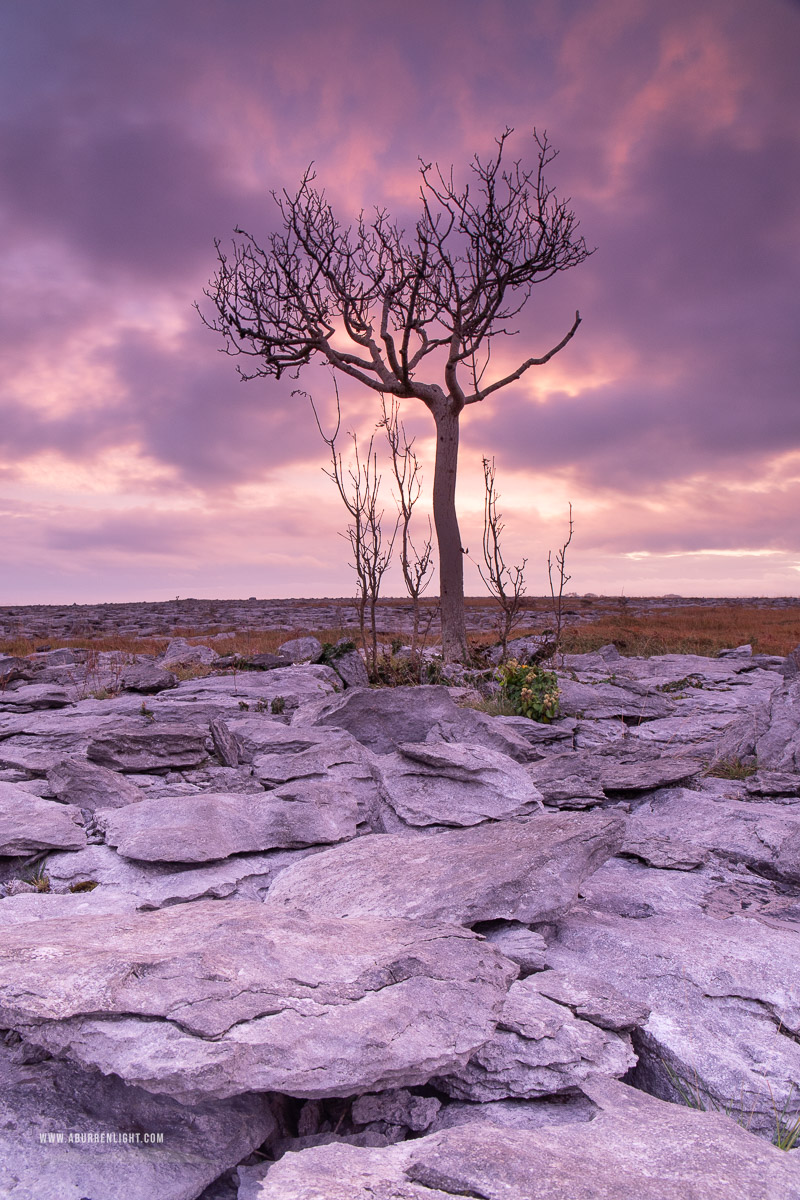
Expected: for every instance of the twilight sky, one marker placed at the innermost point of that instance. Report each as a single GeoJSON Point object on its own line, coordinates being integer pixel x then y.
{"type": "Point", "coordinates": [133, 462]}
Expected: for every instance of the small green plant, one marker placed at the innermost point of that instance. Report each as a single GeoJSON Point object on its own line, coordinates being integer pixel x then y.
{"type": "Point", "coordinates": [333, 650]}
{"type": "Point", "coordinates": [244, 706]}
{"type": "Point", "coordinates": [787, 1125]}
{"type": "Point", "coordinates": [680, 685]}
{"type": "Point", "coordinates": [531, 691]}
{"type": "Point", "coordinates": [278, 705]}
{"type": "Point", "coordinates": [39, 879]}
{"type": "Point", "coordinates": [147, 712]}
{"type": "Point", "coordinates": [731, 768]}
{"type": "Point", "coordinates": [103, 694]}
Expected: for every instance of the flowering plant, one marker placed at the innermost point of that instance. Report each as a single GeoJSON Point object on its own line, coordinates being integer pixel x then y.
{"type": "Point", "coordinates": [531, 691]}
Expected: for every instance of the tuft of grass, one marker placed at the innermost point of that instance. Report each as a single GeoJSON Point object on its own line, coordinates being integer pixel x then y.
{"type": "Point", "coordinates": [787, 1123]}
{"type": "Point", "coordinates": [731, 768]}
{"type": "Point", "coordinates": [39, 879]}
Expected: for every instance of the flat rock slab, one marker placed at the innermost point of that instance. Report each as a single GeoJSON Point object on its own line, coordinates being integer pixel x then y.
{"type": "Point", "coordinates": [382, 718]}
{"type": "Point", "coordinates": [445, 784]}
{"type": "Point", "coordinates": [597, 701]}
{"type": "Point", "coordinates": [636, 1148]}
{"type": "Point", "coordinates": [149, 746]}
{"type": "Point", "coordinates": [54, 1114]}
{"type": "Point", "coordinates": [778, 748]}
{"type": "Point", "coordinates": [527, 870]}
{"type": "Point", "coordinates": [229, 695]}
{"type": "Point", "coordinates": [679, 827]}
{"type": "Point", "coordinates": [569, 779]}
{"type": "Point", "coordinates": [28, 823]}
{"type": "Point", "coordinates": [87, 785]}
{"type": "Point", "coordinates": [540, 1048]}
{"type": "Point", "coordinates": [723, 998]}
{"type": "Point", "coordinates": [208, 826]}
{"type": "Point", "coordinates": [30, 697]}
{"type": "Point", "coordinates": [157, 885]}
{"type": "Point", "coordinates": [147, 678]}
{"type": "Point", "coordinates": [213, 1000]}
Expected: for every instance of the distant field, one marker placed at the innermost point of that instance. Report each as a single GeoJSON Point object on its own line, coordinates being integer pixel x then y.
{"type": "Point", "coordinates": [636, 625]}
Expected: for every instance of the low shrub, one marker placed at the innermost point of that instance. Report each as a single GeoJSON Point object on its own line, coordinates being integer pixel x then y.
{"type": "Point", "coordinates": [531, 691]}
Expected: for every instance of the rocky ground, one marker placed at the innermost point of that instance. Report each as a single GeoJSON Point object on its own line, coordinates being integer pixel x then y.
{"type": "Point", "coordinates": [53, 622]}
{"type": "Point", "coordinates": [309, 940]}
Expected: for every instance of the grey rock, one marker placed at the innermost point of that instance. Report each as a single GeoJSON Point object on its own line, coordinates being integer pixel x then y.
{"type": "Point", "coordinates": [31, 905]}
{"type": "Point", "coordinates": [227, 696]}
{"type": "Point", "coordinates": [43, 1102]}
{"type": "Point", "coordinates": [351, 669]}
{"type": "Point", "coordinates": [282, 754]}
{"type": "Point", "coordinates": [517, 1114]}
{"type": "Point", "coordinates": [635, 1148]}
{"type": "Point", "coordinates": [398, 1107]}
{"type": "Point", "coordinates": [773, 783]}
{"type": "Point", "coordinates": [228, 747]}
{"type": "Point", "coordinates": [558, 735]}
{"type": "Point", "coordinates": [383, 718]}
{"type": "Point", "coordinates": [149, 746]}
{"type": "Point", "coordinates": [592, 1000]}
{"type": "Point", "coordinates": [605, 700]}
{"type": "Point", "coordinates": [790, 668]}
{"type": "Point", "coordinates": [443, 784]}
{"type": "Point", "coordinates": [524, 946]}
{"type": "Point", "coordinates": [724, 1014]}
{"type": "Point", "coordinates": [30, 697]}
{"type": "Point", "coordinates": [778, 748]}
{"type": "Point", "coordinates": [208, 1000]}
{"type": "Point", "coordinates": [527, 870]}
{"type": "Point", "coordinates": [28, 823]}
{"type": "Point", "coordinates": [267, 661]}
{"type": "Point", "coordinates": [12, 668]}
{"type": "Point", "coordinates": [179, 653]}
{"type": "Point", "coordinates": [539, 1049]}
{"type": "Point", "coordinates": [147, 678]}
{"type": "Point", "coordinates": [89, 786]}
{"type": "Point", "coordinates": [678, 825]}
{"type": "Point", "coordinates": [300, 650]}
{"type": "Point", "coordinates": [585, 777]}
{"type": "Point", "coordinates": [157, 885]}
{"type": "Point", "coordinates": [209, 826]}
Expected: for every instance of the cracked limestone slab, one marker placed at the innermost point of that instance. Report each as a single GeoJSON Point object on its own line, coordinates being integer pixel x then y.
{"type": "Point", "coordinates": [87, 785]}
{"type": "Point", "coordinates": [540, 1048]}
{"type": "Point", "coordinates": [53, 1115]}
{"type": "Point", "coordinates": [29, 823]}
{"type": "Point", "coordinates": [527, 870]}
{"type": "Point", "coordinates": [208, 825]}
{"type": "Point", "coordinates": [583, 776]}
{"type": "Point", "coordinates": [242, 691]}
{"type": "Point", "coordinates": [455, 784]}
{"type": "Point", "coordinates": [680, 824]}
{"type": "Point", "coordinates": [724, 1004]}
{"type": "Point", "coordinates": [635, 1148]}
{"type": "Point", "coordinates": [147, 745]}
{"type": "Point", "coordinates": [207, 1000]}
{"type": "Point", "coordinates": [158, 885]}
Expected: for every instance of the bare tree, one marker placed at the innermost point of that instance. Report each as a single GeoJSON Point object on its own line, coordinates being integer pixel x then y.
{"type": "Point", "coordinates": [416, 565]}
{"type": "Point", "coordinates": [359, 489]}
{"type": "Point", "coordinates": [559, 568]}
{"type": "Point", "coordinates": [418, 312]}
{"type": "Point", "coordinates": [506, 584]}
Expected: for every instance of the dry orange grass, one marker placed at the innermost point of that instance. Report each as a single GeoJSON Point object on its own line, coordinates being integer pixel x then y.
{"type": "Point", "coordinates": [684, 629]}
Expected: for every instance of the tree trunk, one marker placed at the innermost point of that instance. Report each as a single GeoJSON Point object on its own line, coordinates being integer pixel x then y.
{"type": "Point", "coordinates": [451, 557]}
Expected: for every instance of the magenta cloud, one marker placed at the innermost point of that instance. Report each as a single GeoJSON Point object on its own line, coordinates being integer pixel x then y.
{"type": "Point", "coordinates": [132, 136]}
